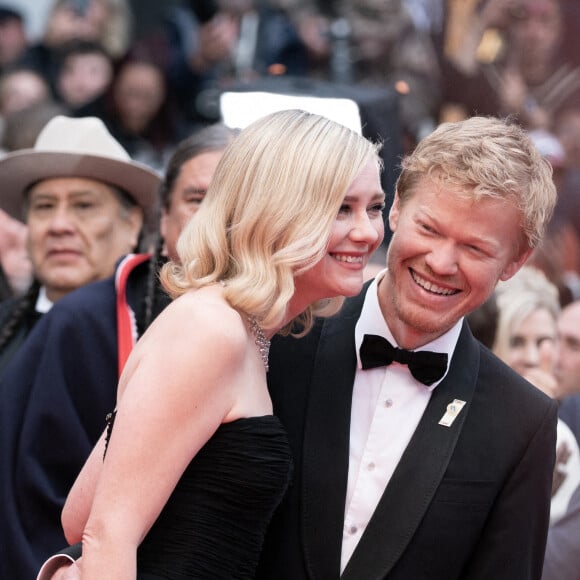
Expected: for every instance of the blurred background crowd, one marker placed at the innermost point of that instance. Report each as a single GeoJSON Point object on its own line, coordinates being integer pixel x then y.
{"type": "Point", "coordinates": [153, 72]}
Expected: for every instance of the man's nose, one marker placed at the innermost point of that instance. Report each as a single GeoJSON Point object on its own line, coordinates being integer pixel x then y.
{"type": "Point", "coordinates": [443, 258]}
{"type": "Point", "coordinates": [62, 220]}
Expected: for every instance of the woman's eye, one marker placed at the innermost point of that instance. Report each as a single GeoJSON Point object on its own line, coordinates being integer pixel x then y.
{"type": "Point", "coordinates": [194, 200]}
{"type": "Point", "coordinates": [545, 340]}
{"type": "Point", "coordinates": [377, 208]}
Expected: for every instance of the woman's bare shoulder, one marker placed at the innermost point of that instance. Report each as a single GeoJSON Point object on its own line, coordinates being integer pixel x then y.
{"type": "Point", "coordinates": [200, 321]}
{"type": "Point", "coordinates": [183, 344]}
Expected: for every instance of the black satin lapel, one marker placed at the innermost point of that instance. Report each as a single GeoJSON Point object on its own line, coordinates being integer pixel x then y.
{"type": "Point", "coordinates": [326, 444]}
{"type": "Point", "coordinates": [419, 472]}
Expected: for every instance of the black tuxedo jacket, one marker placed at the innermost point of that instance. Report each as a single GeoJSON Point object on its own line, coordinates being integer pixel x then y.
{"type": "Point", "coordinates": [470, 501]}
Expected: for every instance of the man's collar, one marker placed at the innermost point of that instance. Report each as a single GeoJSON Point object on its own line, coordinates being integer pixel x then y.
{"type": "Point", "coordinates": [43, 304]}
{"type": "Point", "coordinates": [371, 321]}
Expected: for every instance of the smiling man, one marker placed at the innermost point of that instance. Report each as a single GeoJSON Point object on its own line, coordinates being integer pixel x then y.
{"type": "Point", "coordinates": [85, 203]}
{"type": "Point", "coordinates": [418, 454]}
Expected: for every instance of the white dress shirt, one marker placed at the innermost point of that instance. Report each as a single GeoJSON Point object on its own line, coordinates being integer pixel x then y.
{"type": "Point", "coordinates": [387, 405]}
{"type": "Point", "coordinates": [43, 303]}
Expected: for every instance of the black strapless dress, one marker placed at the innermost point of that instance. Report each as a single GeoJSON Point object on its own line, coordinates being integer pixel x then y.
{"type": "Point", "coordinates": [214, 522]}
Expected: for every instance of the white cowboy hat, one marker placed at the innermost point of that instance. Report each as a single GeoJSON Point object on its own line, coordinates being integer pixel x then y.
{"type": "Point", "coordinates": [77, 147]}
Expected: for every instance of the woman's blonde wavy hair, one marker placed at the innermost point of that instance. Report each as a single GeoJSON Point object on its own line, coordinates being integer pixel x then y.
{"type": "Point", "coordinates": [268, 214]}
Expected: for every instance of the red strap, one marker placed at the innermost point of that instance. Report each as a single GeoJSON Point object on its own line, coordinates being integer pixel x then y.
{"type": "Point", "coordinates": [126, 326]}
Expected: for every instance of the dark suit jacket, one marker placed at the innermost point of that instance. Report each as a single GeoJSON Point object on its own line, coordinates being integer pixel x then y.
{"type": "Point", "coordinates": [562, 554]}
{"type": "Point", "coordinates": [55, 395]}
{"type": "Point", "coordinates": [569, 412]}
{"type": "Point", "coordinates": [470, 501]}
{"type": "Point", "coordinates": [20, 332]}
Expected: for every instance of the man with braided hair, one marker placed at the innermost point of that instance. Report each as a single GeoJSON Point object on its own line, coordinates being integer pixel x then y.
{"type": "Point", "coordinates": [64, 379]}
{"type": "Point", "coordinates": [86, 204]}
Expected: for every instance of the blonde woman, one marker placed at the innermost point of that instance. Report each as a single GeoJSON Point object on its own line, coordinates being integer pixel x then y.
{"type": "Point", "coordinates": [196, 463]}
{"type": "Point", "coordinates": [528, 310]}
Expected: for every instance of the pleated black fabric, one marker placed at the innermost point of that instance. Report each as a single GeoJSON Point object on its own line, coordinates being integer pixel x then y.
{"type": "Point", "coordinates": [214, 523]}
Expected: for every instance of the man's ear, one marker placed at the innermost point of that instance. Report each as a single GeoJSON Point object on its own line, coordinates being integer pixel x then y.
{"type": "Point", "coordinates": [394, 212]}
{"type": "Point", "coordinates": [514, 266]}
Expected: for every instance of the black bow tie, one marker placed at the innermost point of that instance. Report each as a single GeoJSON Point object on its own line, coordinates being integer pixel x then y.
{"type": "Point", "coordinates": [427, 367]}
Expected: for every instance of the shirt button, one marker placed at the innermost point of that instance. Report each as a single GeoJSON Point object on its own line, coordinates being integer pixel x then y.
{"type": "Point", "coordinates": [371, 466]}
{"type": "Point", "coordinates": [389, 403]}
{"type": "Point", "coordinates": [352, 530]}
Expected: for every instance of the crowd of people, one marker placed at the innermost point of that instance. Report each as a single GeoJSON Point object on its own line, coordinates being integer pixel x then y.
{"type": "Point", "coordinates": [207, 333]}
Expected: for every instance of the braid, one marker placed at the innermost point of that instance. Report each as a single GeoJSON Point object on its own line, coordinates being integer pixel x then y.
{"type": "Point", "coordinates": [23, 306]}
{"type": "Point", "coordinates": [5, 289]}
{"type": "Point", "coordinates": [151, 285]}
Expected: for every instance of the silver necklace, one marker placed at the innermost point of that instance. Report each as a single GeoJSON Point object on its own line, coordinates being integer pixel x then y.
{"type": "Point", "coordinates": [260, 339]}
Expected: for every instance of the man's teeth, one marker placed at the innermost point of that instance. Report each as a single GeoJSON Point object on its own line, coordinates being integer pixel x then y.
{"type": "Point", "coordinates": [349, 259]}
{"type": "Point", "coordinates": [432, 287]}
